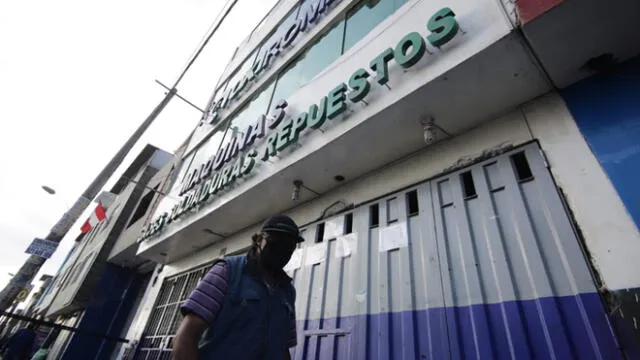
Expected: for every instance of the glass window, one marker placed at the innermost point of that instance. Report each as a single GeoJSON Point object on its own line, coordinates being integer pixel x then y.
{"type": "Point", "coordinates": [278, 33]}
{"type": "Point", "coordinates": [256, 107]}
{"type": "Point", "coordinates": [310, 63]}
{"type": "Point", "coordinates": [203, 153]}
{"type": "Point", "coordinates": [241, 72]}
{"type": "Point", "coordinates": [289, 81]}
{"type": "Point", "coordinates": [366, 15]}
{"type": "Point", "coordinates": [248, 114]}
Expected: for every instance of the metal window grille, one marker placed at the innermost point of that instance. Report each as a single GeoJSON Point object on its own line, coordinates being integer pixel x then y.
{"type": "Point", "coordinates": [157, 339]}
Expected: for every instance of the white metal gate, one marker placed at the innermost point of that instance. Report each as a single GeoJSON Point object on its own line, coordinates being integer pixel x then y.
{"type": "Point", "coordinates": [480, 263]}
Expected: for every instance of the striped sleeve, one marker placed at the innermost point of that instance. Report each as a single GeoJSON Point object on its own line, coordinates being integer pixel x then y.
{"type": "Point", "coordinates": [205, 300]}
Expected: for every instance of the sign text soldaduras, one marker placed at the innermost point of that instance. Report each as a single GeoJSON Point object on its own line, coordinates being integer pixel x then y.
{"type": "Point", "coordinates": [226, 166]}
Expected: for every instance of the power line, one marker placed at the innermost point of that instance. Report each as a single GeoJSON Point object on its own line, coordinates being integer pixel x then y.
{"type": "Point", "coordinates": [216, 24]}
{"type": "Point", "coordinates": [32, 265]}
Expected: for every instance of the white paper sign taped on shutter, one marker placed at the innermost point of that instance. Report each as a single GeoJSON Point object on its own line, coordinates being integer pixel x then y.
{"type": "Point", "coordinates": [333, 228]}
{"type": "Point", "coordinates": [295, 262]}
{"type": "Point", "coordinates": [393, 237]}
{"type": "Point", "coordinates": [315, 254]}
{"type": "Point", "coordinates": [346, 245]}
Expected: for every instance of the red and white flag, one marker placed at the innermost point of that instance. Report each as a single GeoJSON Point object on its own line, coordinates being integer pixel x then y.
{"type": "Point", "coordinates": [97, 216]}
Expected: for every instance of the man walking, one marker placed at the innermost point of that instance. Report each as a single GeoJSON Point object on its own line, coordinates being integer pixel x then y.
{"type": "Point", "coordinates": [245, 304]}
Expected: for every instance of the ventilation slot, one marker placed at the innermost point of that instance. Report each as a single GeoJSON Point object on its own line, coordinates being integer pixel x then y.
{"type": "Point", "coordinates": [521, 167]}
{"type": "Point", "coordinates": [374, 216]}
{"type": "Point", "coordinates": [320, 233]}
{"type": "Point", "coordinates": [348, 223]}
{"type": "Point", "coordinates": [412, 203]}
{"type": "Point", "coordinates": [468, 187]}
{"type": "Point", "coordinates": [392, 210]}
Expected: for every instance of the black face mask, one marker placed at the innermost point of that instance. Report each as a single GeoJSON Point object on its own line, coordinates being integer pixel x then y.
{"type": "Point", "coordinates": [276, 254]}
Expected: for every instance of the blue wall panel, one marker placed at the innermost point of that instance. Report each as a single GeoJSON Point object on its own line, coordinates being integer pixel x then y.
{"type": "Point", "coordinates": [106, 313]}
{"type": "Point", "coordinates": [579, 329]}
{"type": "Point", "coordinates": [607, 110]}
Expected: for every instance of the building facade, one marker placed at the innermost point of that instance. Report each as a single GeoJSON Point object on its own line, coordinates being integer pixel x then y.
{"type": "Point", "coordinates": [464, 187]}
{"type": "Point", "coordinates": [93, 293]}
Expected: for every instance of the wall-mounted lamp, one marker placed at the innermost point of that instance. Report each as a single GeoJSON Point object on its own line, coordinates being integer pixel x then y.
{"type": "Point", "coordinates": [297, 184]}
{"type": "Point", "coordinates": [430, 130]}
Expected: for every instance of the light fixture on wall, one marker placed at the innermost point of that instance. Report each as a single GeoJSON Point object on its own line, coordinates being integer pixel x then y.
{"type": "Point", "coordinates": [431, 131]}
{"type": "Point", "coordinates": [297, 184]}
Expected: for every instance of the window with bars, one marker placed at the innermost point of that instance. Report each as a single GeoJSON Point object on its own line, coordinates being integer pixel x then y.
{"type": "Point", "coordinates": [163, 323]}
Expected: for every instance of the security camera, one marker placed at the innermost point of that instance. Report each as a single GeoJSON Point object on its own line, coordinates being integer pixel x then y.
{"type": "Point", "coordinates": [297, 184]}
{"type": "Point", "coordinates": [429, 131]}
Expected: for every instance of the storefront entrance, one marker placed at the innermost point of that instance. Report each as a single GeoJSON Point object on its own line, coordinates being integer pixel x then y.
{"type": "Point", "coordinates": [480, 263]}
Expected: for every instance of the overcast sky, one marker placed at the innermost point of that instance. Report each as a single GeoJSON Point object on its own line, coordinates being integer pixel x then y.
{"type": "Point", "coordinates": [76, 79]}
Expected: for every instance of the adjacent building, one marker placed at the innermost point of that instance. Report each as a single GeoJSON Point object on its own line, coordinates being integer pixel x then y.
{"type": "Point", "coordinates": [102, 280]}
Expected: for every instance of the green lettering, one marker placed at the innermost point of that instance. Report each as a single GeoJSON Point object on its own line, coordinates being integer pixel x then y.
{"type": "Point", "coordinates": [204, 193]}
{"type": "Point", "coordinates": [224, 178]}
{"type": "Point", "coordinates": [186, 182]}
{"type": "Point", "coordinates": [443, 27]}
{"type": "Point", "coordinates": [277, 114]}
{"type": "Point", "coordinates": [175, 212]}
{"type": "Point", "coordinates": [270, 146]}
{"type": "Point", "coordinates": [290, 35]}
{"type": "Point", "coordinates": [183, 205]}
{"type": "Point", "coordinates": [299, 124]}
{"type": "Point", "coordinates": [317, 114]}
{"type": "Point", "coordinates": [249, 162]}
{"type": "Point", "coordinates": [257, 68]}
{"type": "Point", "coordinates": [255, 131]}
{"type": "Point", "coordinates": [417, 45]}
{"type": "Point", "coordinates": [188, 204]}
{"type": "Point", "coordinates": [336, 101]}
{"type": "Point", "coordinates": [359, 85]}
{"type": "Point", "coordinates": [380, 64]}
{"type": "Point", "coordinates": [214, 183]}
{"type": "Point", "coordinates": [205, 169]}
{"type": "Point", "coordinates": [284, 135]}
{"type": "Point", "coordinates": [235, 171]}
{"type": "Point", "coordinates": [239, 86]}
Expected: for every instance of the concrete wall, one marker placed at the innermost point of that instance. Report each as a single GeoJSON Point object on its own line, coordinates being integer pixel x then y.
{"type": "Point", "coordinates": [123, 252]}
{"type": "Point", "coordinates": [607, 111]}
{"type": "Point", "coordinates": [608, 232]}
{"type": "Point", "coordinates": [88, 249]}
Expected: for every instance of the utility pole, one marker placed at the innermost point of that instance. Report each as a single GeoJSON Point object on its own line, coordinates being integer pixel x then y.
{"type": "Point", "coordinates": [32, 265]}
{"type": "Point", "coordinates": [30, 268]}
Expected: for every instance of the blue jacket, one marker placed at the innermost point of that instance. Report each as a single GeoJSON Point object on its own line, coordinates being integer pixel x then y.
{"type": "Point", "coordinates": [20, 345]}
{"type": "Point", "coordinates": [254, 321]}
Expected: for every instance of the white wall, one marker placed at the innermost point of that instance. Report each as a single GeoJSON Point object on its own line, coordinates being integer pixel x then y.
{"type": "Point", "coordinates": [608, 231]}
{"type": "Point", "coordinates": [610, 234]}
